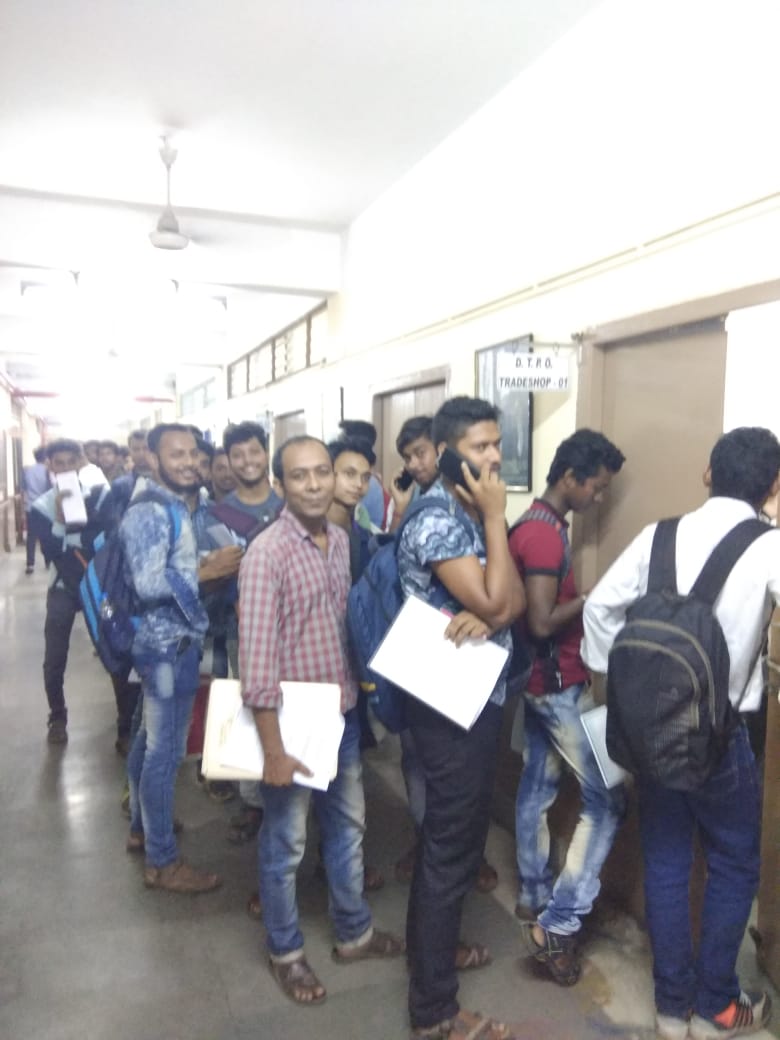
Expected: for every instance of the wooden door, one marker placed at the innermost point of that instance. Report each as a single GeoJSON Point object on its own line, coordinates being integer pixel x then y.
{"type": "Point", "coordinates": [393, 411]}
{"type": "Point", "coordinates": [660, 399]}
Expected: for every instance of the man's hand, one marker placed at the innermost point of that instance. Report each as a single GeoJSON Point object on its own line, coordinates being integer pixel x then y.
{"type": "Point", "coordinates": [401, 499]}
{"type": "Point", "coordinates": [278, 769]}
{"type": "Point", "coordinates": [488, 493]}
{"type": "Point", "coordinates": [466, 625]}
{"type": "Point", "coordinates": [221, 563]}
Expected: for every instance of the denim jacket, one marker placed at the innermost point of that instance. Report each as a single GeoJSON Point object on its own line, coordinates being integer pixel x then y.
{"type": "Point", "coordinates": [165, 579]}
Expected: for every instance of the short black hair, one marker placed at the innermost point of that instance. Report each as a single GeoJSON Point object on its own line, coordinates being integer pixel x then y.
{"type": "Point", "coordinates": [459, 414]}
{"type": "Point", "coordinates": [585, 452]}
{"type": "Point", "coordinates": [39, 454]}
{"type": "Point", "coordinates": [205, 447]}
{"type": "Point", "coordinates": [354, 444]}
{"type": "Point", "coordinates": [137, 435]}
{"type": "Point", "coordinates": [744, 464]}
{"type": "Point", "coordinates": [111, 445]}
{"type": "Point", "coordinates": [157, 433]}
{"type": "Point", "coordinates": [300, 438]}
{"type": "Point", "coordinates": [412, 429]}
{"type": "Point", "coordinates": [89, 442]}
{"type": "Point", "coordinates": [238, 433]}
{"type": "Point", "coordinates": [63, 444]}
{"type": "Point", "coordinates": [366, 431]}
{"type": "Point", "coordinates": [218, 450]}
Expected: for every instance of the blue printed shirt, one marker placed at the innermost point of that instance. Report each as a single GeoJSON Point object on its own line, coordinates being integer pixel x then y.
{"type": "Point", "coordinates": [444, 532]}
{"type": "Point", "coordinates": [165, 578]}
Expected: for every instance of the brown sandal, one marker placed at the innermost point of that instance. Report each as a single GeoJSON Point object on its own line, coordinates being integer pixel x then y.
{"type": "Point", "coordinates": [381, 944]}
{"type": "Point", "coordinates": [298, 982]}
{"type": "Point", "coordinates": [469, 956]}
{"type": "Point", "coordinates": [467, 1025]}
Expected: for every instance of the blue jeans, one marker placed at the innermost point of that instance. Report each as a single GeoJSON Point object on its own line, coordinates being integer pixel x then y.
{"type": "Point", "coordinates": [341, 815]}
{"type": "Point", "coordinates": [554, 738]}
{"type": "Point", "coordinates": [169, 682]}
{"type": "Point", "coordinates": [725, 812]}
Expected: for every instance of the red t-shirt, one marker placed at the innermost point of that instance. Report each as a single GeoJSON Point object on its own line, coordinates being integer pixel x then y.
{"type": "Point", "coordinates": [541, 546]}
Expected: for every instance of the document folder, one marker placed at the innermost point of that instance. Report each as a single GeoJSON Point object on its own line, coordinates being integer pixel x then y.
{"type": "Point", "coordinates": [310, 722]}
{"type": "Point", "coordinates": [455, 681]}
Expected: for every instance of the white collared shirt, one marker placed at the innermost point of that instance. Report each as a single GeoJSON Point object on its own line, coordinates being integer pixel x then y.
{"type": "Point", "coordinates": [743, 607]}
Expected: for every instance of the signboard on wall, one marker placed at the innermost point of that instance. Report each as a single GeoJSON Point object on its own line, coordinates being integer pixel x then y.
{"type": "Point", "coordinates": [541, 370]}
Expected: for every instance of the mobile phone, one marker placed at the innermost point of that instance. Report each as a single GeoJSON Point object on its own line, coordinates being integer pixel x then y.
{"type": "Point", "coordinates": [404, 481]}
{"type": "Point", "coordinates": [450, 462]}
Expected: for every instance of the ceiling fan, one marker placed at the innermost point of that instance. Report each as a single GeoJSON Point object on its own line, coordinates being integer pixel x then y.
{"type": "Point", "coordinates": [167, 234]}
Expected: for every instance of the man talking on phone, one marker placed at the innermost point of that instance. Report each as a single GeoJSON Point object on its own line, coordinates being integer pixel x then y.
{"type": "Point", "coordinates": [462, 545]}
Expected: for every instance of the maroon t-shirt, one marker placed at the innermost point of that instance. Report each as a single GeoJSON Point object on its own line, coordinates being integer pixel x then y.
{"type": "Point", "coordinates": [541, 546]}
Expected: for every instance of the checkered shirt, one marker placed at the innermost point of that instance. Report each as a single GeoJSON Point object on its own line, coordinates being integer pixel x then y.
{"type": "Point", "coordinates": [292, 613]}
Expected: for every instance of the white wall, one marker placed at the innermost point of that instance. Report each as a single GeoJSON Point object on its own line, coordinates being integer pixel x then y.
{"type": "Point", "coordinates": [753, 368]}
{"type": "Point", "coordinates": [631, 168]}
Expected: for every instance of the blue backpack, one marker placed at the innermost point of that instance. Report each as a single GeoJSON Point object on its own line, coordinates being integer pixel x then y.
{"type": "Point", "coordinates": [111, 608]}
{"type": "Point", "coordinates": [374, 601]}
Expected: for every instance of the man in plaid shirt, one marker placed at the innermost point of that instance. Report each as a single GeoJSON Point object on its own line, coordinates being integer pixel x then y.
{"type": "Point", "coordinates": [293, 587]}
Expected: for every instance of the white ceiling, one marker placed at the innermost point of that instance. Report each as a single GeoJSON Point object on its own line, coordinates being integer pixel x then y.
{"type": "Point", "coordinates": [290, 117]}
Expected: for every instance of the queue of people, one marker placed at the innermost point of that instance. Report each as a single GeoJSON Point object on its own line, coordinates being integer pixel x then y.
{"type": "Point", "coordinates": [254, 562]}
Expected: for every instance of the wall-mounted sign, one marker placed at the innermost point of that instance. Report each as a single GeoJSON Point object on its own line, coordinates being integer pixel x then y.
{"type": "Point", "coordinates": [542, 370]}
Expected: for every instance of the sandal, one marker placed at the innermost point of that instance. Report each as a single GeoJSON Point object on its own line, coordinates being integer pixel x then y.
{"type": "Point", "coordinates": [254, 907]}
{"type": "Point", "coordinates": [245, 826]}
{"type": "Point", "coordinates": [380, 944]}
{"type": "Point", "coordinates": [469, 956]}
{"type": "Point", "coordinates": [298, 982]}
{"type": "Point", "coordinates": [467, 1025]}
{"type": "Point", "coordinates": [487, 878]}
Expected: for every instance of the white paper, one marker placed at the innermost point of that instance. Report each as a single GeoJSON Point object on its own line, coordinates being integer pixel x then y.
{"type": "Point", "coordinates": [310, 722]}
{"type": "Point", "coordinates": [73, 509]}
{"type": "Point", "coordinates": [92, 476]}
{"type": "Point", "coordinates": [594, 723]}
{"type": "Point", "coordinates": [221, 536]}
{"type": "Point", "coordinates": [456, 681]}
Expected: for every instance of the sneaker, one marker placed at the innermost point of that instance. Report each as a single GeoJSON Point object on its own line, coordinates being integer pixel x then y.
{"type": "Point", "coordinates": [180, 877]}
{"type": "Point", "coordinates": [746, 1015]}
{"type": "Point", "coordinates": [669, 1027]}
{"type": "Point", "coordinates": [28, 570]}
{"type": "Point", "coordinates": [57, 732]}
{"type": "Point", "coordinates": [558, 955]}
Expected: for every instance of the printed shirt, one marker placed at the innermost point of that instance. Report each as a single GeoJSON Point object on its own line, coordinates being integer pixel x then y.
{"type": "Point", "coordinates": [292, 613]}
{"type": "Point", "coordinates": [542, 547]}
{"type": "Point", "coordinates": [165, 580]}
{"type": "Point", "coordinates": [742, 608]}
{"type": "Point", "coordinates": [438, 534]}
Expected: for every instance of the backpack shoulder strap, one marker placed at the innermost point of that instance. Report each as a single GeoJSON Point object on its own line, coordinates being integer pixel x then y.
{"type": "Point", "coordinates": [662, 576]}
{"type": "Point", "coordinates": [723, 557]}
{"type": "Point", "coordinates": [547, 517]}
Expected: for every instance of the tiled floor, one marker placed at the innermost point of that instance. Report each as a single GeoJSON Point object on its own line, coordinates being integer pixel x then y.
{"type": "Point", "coordinates": [86, 953]}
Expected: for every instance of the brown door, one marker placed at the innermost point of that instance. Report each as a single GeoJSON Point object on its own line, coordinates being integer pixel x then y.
{"type": "Point", "coordinates": [660, 399]}
{"type": "Point", "coordinates": [394, 409]}
{"type": "Point", "coordinates": [291, 425]}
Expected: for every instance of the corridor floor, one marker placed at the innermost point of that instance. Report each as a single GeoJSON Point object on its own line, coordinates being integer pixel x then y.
{"type": "Point", "coordinates": [86, 953]}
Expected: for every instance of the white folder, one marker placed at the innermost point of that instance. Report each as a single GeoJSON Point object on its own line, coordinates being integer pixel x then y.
{"type": "Point", "coordinates": [594, 722]}
{"type": "Point", "coordinates": [455, 681]}
{"type": "Point", "coordinates": [310, 722]}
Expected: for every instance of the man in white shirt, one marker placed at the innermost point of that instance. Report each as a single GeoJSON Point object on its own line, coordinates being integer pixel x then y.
{"type": "Point", "coordinates": [699, 995]}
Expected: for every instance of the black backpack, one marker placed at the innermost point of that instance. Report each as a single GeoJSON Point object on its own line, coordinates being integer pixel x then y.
{"type": "Point", "coordinates": [669, 717]}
